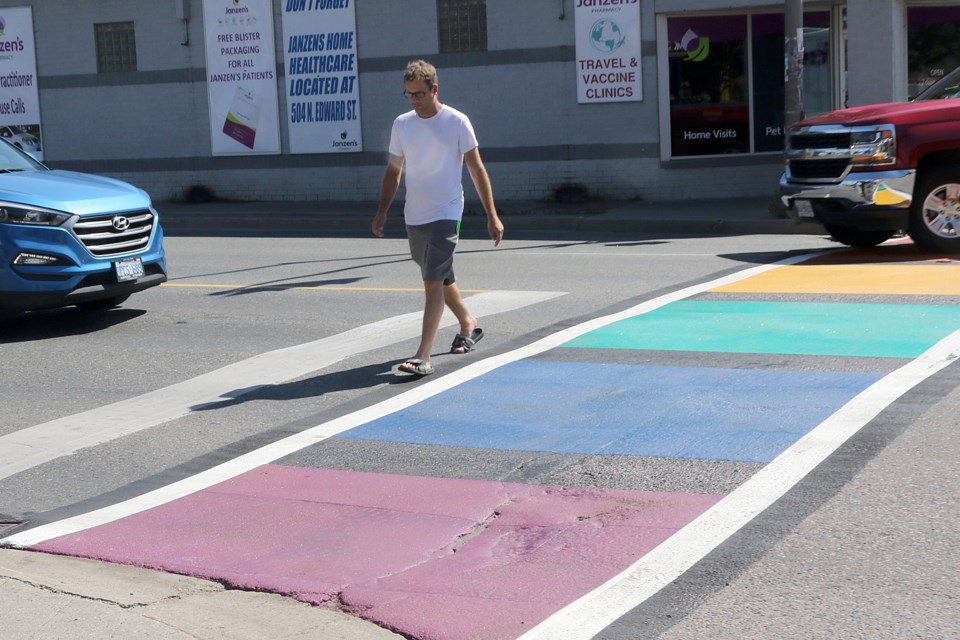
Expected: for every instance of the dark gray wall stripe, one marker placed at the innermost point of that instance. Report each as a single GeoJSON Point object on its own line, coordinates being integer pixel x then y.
{"type": "Point", "coordinates": [554, 153]}
{"type": "Point", "coordinates": [563, 53]}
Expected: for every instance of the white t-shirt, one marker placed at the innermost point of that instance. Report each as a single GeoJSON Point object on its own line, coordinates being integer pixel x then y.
{"type": "Point", "coordinates": [432, 151]}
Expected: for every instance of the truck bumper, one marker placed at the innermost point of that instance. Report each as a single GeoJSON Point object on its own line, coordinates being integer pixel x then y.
{"type": "Point", "coordinates": [874, 200]}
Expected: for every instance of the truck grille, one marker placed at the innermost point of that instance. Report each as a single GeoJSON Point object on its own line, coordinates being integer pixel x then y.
{"type": "Point", "coordinates": [818, 156]}
{"type": "Point", "coordinates": [829, 169]}
{"type": "Point", "coordinates": [839, 140]}
{"type": "Point", "coordinates": [115, 234]}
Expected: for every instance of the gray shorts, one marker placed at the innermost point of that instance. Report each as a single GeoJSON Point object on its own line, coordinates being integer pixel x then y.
{"type": "Point", "coordinates": [432, 246]}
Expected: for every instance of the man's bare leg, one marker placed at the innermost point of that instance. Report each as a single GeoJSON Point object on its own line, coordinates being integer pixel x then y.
{"type": "Point", "coordinates": [454, 301]}
{"type": "Point", "coordinates": [468, 324]}
{"type": "Point", "coordinates": [436, 296]}
{"type": "Point", "coordinates": [432, 313]}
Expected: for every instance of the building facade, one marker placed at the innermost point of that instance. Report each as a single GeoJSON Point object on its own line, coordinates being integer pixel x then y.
{"type": "Point", "coordinates": [125, 90]}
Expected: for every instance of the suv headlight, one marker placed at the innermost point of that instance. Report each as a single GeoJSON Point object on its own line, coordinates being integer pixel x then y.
{"type": "Point", "coordinates": [20, 214]}
{"type": "Point", "coordinates": [873, 146]}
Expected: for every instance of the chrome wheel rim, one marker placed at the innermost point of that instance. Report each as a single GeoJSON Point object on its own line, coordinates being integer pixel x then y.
{"type": "Point", "coordinates": [941, 211]}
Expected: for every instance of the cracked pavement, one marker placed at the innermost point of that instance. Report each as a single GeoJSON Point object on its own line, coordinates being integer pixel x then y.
{"type": "Point", "coordinates": [107, 601]}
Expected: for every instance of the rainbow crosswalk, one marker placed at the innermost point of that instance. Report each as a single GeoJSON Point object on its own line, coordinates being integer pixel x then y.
{"type": "Point", "coordinates": [480, 511]}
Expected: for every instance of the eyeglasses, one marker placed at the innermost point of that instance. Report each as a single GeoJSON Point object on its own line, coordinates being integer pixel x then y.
{"type": "Point", "coordinates": [416, 94]}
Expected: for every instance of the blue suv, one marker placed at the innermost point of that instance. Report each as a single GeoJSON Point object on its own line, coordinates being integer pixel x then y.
{"type": "Point", "coordinates": [71, 238]}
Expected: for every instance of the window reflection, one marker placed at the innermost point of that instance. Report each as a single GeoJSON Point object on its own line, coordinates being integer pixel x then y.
{"type": "Point", "coordinates": [768, 74]}
{"type": "Point", "coordinates": [708, 106]}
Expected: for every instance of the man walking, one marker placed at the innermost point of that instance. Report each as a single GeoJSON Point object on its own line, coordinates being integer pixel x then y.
{"type": "Point", "coordinates": [433, 141]}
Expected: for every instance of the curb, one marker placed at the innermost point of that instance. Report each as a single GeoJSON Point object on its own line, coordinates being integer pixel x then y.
{"type": "Point", "coordinates": [198, 221]}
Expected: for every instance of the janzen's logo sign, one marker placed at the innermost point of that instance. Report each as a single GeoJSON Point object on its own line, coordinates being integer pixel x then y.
{"type": "Point", "coordinates": [603, 3]}
{"type": "Point", "coordinates": [19, 95]}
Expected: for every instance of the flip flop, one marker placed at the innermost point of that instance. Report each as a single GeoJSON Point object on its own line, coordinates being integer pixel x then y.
{"type": "Point", "coordinates": [415, 366]}
{"type": "Point", "coordinates": [467, 343]}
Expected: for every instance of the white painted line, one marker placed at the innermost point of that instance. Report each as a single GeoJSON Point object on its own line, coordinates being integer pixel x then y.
{"type": "Point", "coordinates": [593, 612]}
{"type": "Point", "coordinates": [296, 442]}
{"type": "Point", "coordinates": [27, 448]}
{"type": "Point", "coordinates": [609, 254]}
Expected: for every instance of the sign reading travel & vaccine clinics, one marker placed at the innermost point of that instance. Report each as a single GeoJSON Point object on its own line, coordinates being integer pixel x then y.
{"type": "Point", "coordinates": [608, 50]}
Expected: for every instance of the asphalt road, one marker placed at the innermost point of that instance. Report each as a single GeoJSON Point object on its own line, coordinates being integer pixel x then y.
{"type": "Point", "coordinates": [255, 339]}
{"type": "Point", "coordinates": [231, 299]}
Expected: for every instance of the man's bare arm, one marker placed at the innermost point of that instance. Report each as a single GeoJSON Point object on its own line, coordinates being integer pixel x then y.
{"type": "Point", "coordinates": [388, 189]}
{"type": "Point", "coordinates": [481, 181]}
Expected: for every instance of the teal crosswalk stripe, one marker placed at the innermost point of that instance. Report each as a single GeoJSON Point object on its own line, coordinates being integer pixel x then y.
{"type": "Point", "coordinates": [803, 328]}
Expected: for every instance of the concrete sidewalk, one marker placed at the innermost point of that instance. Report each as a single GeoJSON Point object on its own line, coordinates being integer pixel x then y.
{"type": "Point", "coordinates": [732, 216]}
{"type": "Point", "coordinates": [45, 597]}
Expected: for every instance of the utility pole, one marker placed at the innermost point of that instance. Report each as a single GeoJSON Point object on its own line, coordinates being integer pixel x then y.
{"type": "Point", "coordinates": [793, 61]}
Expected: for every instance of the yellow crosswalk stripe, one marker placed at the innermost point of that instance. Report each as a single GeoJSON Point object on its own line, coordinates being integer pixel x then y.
{"type": "Point", "coordinates": [894, 279]}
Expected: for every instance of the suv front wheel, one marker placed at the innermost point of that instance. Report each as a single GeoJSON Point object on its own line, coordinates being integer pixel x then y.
{"type": "Point", "coordinates": [935, 212]}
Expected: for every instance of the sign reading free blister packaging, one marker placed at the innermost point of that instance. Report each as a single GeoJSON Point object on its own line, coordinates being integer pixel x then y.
{"type": "Point", "coordinates": [323, 92]}
{"type": "Point", "coordinates": [241, 77]}
{"type": "Point", "coordinates": [19, 96]}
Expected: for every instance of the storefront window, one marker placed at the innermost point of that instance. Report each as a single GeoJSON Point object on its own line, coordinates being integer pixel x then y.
{"type": "Point", "coordinates": [709, 113]}
{"type": "Point", "coordinates": [767, 39]}
{"type": "Point", "coordinates": [933, 45]}
{"type": "Point", "coordinates": [709, 106]}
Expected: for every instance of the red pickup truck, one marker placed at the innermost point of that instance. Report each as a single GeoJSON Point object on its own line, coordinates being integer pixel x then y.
{"type": "Point", "coordinates": [866, 173]}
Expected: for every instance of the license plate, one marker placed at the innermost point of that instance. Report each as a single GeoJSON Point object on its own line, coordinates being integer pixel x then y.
{"type": "Point", "coordinates": [128, 269]}
{"type": "Point", "coordinates": [804, 208]}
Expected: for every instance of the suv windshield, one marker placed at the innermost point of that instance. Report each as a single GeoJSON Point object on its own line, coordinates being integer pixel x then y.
{"type": "Point", "coordinates": [946, 87]}
{"type": "Point", "coordinates": [13, 159]}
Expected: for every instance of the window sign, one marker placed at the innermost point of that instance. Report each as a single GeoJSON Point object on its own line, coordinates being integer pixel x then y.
{"type": "Point", "coordinates": [19, 97]}
{"type": "Point", "coordinates": [608, 51]}
{"type": "Point", "coordinates": [933, 45]}
{"type": "Point", "coordinates": [709, 112]}
{"type": "Point", "coordinates": [241, 77]}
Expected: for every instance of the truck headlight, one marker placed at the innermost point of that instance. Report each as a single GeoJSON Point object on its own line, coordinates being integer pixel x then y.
{"type": "Point", "coordinates": [873, 146]}
{"type": "Point", "coordinates": [21, 214]}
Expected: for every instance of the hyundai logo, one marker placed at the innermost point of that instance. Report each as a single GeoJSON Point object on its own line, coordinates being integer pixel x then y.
{"type": "Point", "coordinates": [121, 223]}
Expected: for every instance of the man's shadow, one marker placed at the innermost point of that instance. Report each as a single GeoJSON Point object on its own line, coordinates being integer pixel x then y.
{"type": "Point", "coordinates": [350, 380]}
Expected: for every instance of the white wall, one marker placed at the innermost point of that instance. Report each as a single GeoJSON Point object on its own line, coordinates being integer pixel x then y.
{"type": "Point", "coordinates": [876, 51]}
{"type": "Point", "coordinates": [152, 127]}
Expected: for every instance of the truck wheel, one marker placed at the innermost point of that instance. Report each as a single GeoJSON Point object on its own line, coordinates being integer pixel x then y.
{"type": "Point", "coordinates": [859, 237]}
{"type": "Point", "coordinates": [935, 212]}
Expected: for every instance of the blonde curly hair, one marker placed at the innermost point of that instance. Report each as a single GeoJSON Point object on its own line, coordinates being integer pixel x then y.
{"type": "Point", "coordinates": [421, 70]}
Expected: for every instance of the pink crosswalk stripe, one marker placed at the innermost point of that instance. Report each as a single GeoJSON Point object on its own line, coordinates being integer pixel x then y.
{"type": "Point", "coordinates": [430, 557]}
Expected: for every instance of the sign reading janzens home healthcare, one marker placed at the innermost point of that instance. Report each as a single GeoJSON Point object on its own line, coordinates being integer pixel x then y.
{"type": "Point", "coordinates": [323, 95]}
{"type": "Point", "coordinates": [19, 96]}
{"type": "Point", "coordinates": [241, 77]}
{"type": "Point", "coordinates": [608, 51]}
